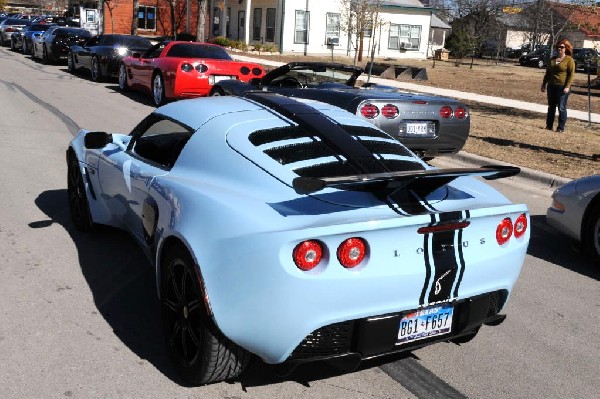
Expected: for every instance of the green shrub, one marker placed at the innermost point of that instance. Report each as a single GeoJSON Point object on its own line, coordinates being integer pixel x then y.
{"type": "Point", "coordinates": [221, 41]}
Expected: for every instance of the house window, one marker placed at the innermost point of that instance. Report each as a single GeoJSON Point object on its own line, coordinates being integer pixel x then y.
{"type": "Point", "coordinates": [147, 17]}
{"type": "Point", "coordinates": [256, 22]}
{"type": "Point", "coordinates": [332, 28]}
{"type": "Point", "coordinates": [301, 28]}
{"type": "Point", "coordinates": [270, 25]}
{"type": "Point", "coordinates": [406, 37]}
{"type": "Point", "coordinates": [368, 30]}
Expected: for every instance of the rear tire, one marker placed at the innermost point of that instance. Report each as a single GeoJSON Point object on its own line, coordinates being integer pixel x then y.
{"type": "Point", "coordinates": [96, 70]}
{"type": "Point", "coordinates": [217, 91]}
{"type": "Point", "coordinates": [158, 89]}
{"type": "Point", "coordinates": [45, 56]}
{"type": "Point", "coordinates": [201, 353]}
{"type": "Point", "coordinates": [591, 235]}
{"type": "Point", "coordinates": [71, 63]}
{"type": "Point", "coordinates": [25, 48]}
{"type": "Point", "coordinates": [123, 78]}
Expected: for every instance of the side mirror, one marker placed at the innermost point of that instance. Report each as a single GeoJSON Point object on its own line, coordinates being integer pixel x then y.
{"type": "Point", "coordinates": [97, 140]}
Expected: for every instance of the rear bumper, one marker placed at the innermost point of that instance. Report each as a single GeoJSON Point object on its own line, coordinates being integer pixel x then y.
{"type": "Point", "coordinates": [372, 337]}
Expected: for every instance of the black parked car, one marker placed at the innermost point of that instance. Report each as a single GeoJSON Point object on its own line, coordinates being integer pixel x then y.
{"type": "Point", "coordinates": [54, 44]}
{"type": "Point", "coordinates": [586, 59]}
{"type": "Point", "coordinates": [427, 124]}
{"type": "Point", "coordinates": [102, 54]}
{"type": "Point", "coordinates": [539, 58]}
{"type": "Point", "coordinates": [22, 40]}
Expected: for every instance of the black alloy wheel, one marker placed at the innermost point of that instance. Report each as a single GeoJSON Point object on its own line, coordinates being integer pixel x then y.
{"type": "Point", "coordinates": [13, 47]}
{"type": "Point", "coordinates": [199, 350]}
{"type": "Point", "coordinates": [25, 48]}
{"type": "Point", "coordinates": [123, 78]}
{"type": "Point", "coordinates": [78, 203]}
{"type": "Point", "coordinates": [96, 71]}
{"type": "Point", "coordinates": [45, 55]}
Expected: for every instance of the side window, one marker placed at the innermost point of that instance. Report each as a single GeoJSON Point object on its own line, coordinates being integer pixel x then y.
{"type": "Point", "coordinates": [160, 141]}
{"type": "Point", "coordinates": [154, 52]}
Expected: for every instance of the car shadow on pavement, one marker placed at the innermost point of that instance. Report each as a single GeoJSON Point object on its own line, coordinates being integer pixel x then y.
{"type": "Point", "coordinates": [550, 245]}
{"type": "Point", "coordinates": [121, 280]}
{"type": "Point", "coordinates": [142, 98]}
{"type": "Point", "coordinates": [123, 286]}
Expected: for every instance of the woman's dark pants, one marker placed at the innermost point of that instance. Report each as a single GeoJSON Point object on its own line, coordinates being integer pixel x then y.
{"type": "Point", "coordinates": [557, 98]}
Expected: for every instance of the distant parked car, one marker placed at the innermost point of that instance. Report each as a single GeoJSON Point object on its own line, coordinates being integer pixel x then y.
{"type": "Point", "coordinates": [54, 44]}
{"type": "Point", "coordinates": [22, 40]}
{"type": "Point", "coordinates": [586, 59]}
{"type": "Point", "coordinates": [427, 124]}
{"type": "Point", "coordinates": [8, 27]}
{"type": "Point", "coordinates": [178, 69]}
{"type": "Point", "coordinates": [575, 211]}
{"type": "Point", "coordinates": [102, 54]}
{"type": "Point", "coordinates": [539, 58]}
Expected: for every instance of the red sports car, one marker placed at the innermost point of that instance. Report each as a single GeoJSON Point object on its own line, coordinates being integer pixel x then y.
{"type": "Point", "coordinates": [177, 69]}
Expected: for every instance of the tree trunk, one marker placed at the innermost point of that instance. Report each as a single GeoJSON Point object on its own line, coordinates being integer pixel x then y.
{"type": "Point", "coordinates": [201, 24]}
{"type": "Point", "coordinates": [173, 3]}
{"type": "Point", "coordinates": [134, 20]}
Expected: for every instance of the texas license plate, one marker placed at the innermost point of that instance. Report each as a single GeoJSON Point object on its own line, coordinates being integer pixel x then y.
{"type": "Point", "coordinates": [417, 128]}
{"type": "Point", "coordinates": [425, 323]}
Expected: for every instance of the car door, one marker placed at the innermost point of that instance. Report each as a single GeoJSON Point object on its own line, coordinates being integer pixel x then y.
{"type": "Point", "coordinates": [126, 176]}
{"type": "Point", "coordinates": [142, 68]}
{"type": "Point", "coordinates": [85, 51]}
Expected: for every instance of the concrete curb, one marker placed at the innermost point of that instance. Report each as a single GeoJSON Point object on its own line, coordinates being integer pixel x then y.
{"type": "Point", "coordinates": [546, 179]}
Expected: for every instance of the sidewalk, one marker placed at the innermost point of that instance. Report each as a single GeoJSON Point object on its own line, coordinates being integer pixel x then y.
{"type": "Point", "coordinates": [581, 115]}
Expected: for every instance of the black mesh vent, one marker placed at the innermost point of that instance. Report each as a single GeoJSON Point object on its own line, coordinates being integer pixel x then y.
{"type": "Point", "coordinates": [365, 132]}
{"type": "Point", "coordinates": [300, 152]}
{"type": "Point", "coordinates": [271, 135]}
{"type": "Point", "coordinates": [341, 168]}
{"type": "Point", "coordinates": [494, 304]}
{"type": "Point", "coordinates": [334, 339]}
{"type": "Point", "coordinates": [383, 147]}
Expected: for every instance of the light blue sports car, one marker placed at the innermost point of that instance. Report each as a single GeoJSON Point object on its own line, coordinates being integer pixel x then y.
{"type": "Point", "coordinates": [293, 230]}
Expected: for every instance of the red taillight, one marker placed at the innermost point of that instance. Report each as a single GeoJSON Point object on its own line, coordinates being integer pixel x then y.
{"type": "Point", "coordinates": [257, 71]}
{"type": "Point", "coordinates": [369, 111]}
{"type": "Point", "coordinates": [308, 254]}
{"type": "Point", "coordinates": [439, 228]}
{"type": "Point", "coordinates": [9, 29]}
{"type": "Point", "coordinates": [201, 68]}
{"type": "Point", "coordinates": [419, 102]}
{"type": "Point", "coordinates": [351, 252]}
{"type": "Point", "coordinates": [186, 67]}
{"type": "Point", "coordinates": [390, 111]}
{"type": "Point", "coordinates": [460, 113]}
{"type": "Point", "coordinates": [244, 70]}
{"type": "Point", "coordinates": [446, 112]}
{"type": "Point", "coordinates": [504, 231]}
{"type": "Point", "coordinates": [520, 226]}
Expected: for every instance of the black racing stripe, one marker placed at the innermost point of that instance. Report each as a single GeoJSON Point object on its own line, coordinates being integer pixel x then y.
{"type": "Point", "coordinates": [427, 264]}
{"type": "Point", "coordinates": [329, 131]}
{"type": "Point", "coordinates": [461, 257]}
{"type": "Point", "coordinates": [444, 260]}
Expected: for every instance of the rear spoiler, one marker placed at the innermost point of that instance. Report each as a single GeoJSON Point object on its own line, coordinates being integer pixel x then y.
{"type": "Point", "coordinates": [421, 181]}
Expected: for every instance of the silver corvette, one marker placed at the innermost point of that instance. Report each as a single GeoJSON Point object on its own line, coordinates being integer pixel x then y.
{"type": "Point", "coordinates": [575, 211]}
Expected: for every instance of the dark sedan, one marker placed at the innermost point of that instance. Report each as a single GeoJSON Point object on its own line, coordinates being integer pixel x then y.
{"type": "Point", "coordinates": [539, 58]}
{"type": "Point", "coordinates": [22, 40]}
{"type": "Point", "coordinates": [429, 125]}
{"type": "Point", "coordinates": [102, 54]}
{"type": "Point", "coordinates": [54, 44]}
{"type": "Point", "coordinates": [586, 59]}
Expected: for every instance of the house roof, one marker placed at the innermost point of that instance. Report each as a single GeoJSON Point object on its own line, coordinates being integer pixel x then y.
{"type": "Point", "coordinates": [584, 18]}
{"type": "Point", "coordinates": [438, 23]}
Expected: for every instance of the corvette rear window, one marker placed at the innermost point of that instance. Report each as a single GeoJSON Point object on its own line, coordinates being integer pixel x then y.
{"type": "Point", "coordinates": [190, 50]}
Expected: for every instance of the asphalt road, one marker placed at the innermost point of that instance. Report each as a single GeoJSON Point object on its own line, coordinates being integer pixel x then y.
{"type": "Point", "coordinates": [79, 315]}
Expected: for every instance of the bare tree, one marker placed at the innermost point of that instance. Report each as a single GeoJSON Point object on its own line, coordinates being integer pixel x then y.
{"type": "Point", "coordinates": [110, 5]}
{"type": "Point", "coordinates": [356, 16]}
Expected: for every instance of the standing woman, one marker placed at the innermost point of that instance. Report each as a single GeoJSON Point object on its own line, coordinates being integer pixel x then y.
{"type": "Point", "coordinates": [559, 77]}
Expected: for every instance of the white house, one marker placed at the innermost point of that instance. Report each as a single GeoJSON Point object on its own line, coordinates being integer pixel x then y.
{"type": "Point", "coordinates": [316, 26]}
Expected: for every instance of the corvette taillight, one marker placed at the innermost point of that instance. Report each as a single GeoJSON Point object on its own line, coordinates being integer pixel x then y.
{"type": "Point", "coordinates": [9, 29]}
{"type": "Point", "coordinates": [446, 112]}
{"type": "Point", "coordinates": [369, 111]}
{"type": "Point", "coordinates": [201, 68]}
{"type": "Point", "coordinates": [187, 67]}
{"type": "Point", "coordinates": [520, 226]}
{"type": "Point", "coordinates": [257, 71]}
{"type": "Point", "coordinates": [390, 111]}
{"type": "Point", "coordinates": [504, 231]}
{"type": "Point", "coordinates": [244, 70]}
{"type": "Point", "coordinates": [307, 254]}
{"type": "Point", "coordinates": [351, 252]}
{"type": "Point", "coordinates": [460, 112]}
